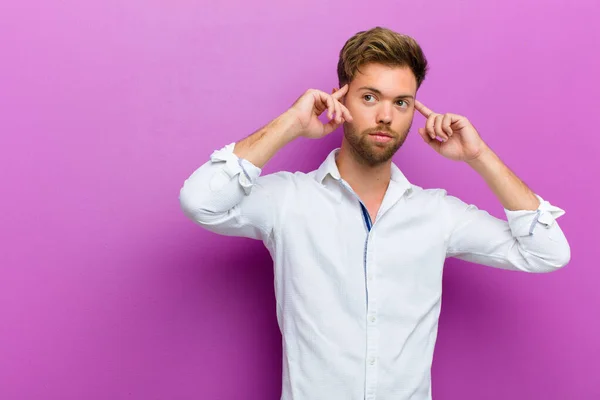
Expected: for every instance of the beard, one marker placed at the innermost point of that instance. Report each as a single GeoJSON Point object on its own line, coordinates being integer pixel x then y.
{"type": "Point", "coordinates": [369, 152]}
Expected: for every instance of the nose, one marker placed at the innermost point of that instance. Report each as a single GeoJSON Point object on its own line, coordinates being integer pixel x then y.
{"type": "Point", "coordinates": [384, 115]}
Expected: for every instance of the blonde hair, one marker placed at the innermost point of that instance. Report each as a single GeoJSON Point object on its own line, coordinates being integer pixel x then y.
{"type": "Point", "coordinates": [383, 46]}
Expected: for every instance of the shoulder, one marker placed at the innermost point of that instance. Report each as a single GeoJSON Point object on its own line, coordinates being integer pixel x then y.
{"type": "Point", "coordinates": [427, 194]}
{"type": "Point", "coordinates": [286, 178]}
{"type": "Point", "coordinates": [438, 198]}
{"type": "Point", "coordinates": [282, 182]}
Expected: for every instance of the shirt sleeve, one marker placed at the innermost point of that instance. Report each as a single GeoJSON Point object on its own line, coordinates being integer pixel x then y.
{"type": "Point", "coordinates": [529, 241]}
{"type": "Point", "coordinates": [228, 196]}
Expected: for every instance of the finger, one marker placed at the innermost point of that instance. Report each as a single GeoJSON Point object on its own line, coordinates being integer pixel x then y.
{"type": "Point", "coordinates": [346, 113]}
{"type": "Point", "coordinates": [330, 127]}
{"type": "Point", "coordinates": [446, 122]}
{"type": "Point", "coordinates": [424, 135]}
{"type": "Point", "coordinates": [429, 126]}
{"type": "Point", "coordinates": [439, 132]}
{"type": "Point", "coordinates": [458, 122]}
{"type": "Point", "coordinates": [320, 102]}
{"type": "Point", "coordinates": [338, 111]}
{"type": "Point", "coordinates": [330, 105]}
{"type": "Point", "coordinates": [426, 112]}
{"type": "Point", "coordinates": [427, 139]}
{"type": "Point", "coordinates": [340, 93]}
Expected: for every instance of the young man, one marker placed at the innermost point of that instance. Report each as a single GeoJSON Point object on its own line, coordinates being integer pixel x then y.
{"type": "Point", "coordinates": [358, 250]}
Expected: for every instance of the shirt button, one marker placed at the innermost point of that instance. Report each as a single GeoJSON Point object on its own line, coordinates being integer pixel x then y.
{"type": "Point", "coordinates": [372, 361]}
{"type": "Point", "coordinates": [373, 318]}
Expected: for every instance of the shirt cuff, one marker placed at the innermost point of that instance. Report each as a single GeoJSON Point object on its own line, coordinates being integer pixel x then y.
{"type": "Point", "coordinates": [235, 166]}
{"type": "Point", "coordinates": [524, 222]}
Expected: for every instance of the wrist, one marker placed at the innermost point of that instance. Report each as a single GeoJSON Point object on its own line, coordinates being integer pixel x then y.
{"type": "Point", "coordinates": [484, 157]}
{"type": "Point", "coordinates": [289, 125]}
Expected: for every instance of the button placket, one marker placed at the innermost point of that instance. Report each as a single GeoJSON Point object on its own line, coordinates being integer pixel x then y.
{"type": "Point", "coordinates": [372, 356]}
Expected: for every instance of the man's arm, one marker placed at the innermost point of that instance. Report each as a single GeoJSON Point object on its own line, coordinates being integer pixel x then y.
{"type": "Point", "coordinates": [510, 190]}
{"type": "Point", "coordinates": [226, 195]}
{"type": "Point", "coordinates": [460, 141]}
{"type": "Point", "coordinates": [300, 120]}
{"type": "Point", "coordinates": [262, 145]}
{"type": "Point", "coordinates": [530, 240]}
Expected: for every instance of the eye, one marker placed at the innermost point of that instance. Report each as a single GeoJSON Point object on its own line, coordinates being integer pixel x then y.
{"type": "Point", "coordinates": [402, 103]}
{"type": "Point", "coordinates": [368, 97]}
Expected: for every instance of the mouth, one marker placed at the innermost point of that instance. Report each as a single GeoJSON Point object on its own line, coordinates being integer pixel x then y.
{"type": "Point", "coordinates": [382, 137]}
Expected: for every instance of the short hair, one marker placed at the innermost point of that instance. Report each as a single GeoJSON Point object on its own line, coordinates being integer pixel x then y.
{"type": "Point", "coordinates": [382, 46]}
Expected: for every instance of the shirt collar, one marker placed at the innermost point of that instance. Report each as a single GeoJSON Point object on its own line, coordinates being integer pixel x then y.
{"type": "Point", "coordinates": [329, 167]}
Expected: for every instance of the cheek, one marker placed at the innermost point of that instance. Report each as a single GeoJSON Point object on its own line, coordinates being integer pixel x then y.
{"type": "Point", "coordinates": [404, 121]}
{"type": "Point", "coordinates": [361, 118]}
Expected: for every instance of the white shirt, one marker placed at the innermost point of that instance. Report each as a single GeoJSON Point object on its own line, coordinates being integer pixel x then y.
{"type": "Point", "coordinates": [358, 306]}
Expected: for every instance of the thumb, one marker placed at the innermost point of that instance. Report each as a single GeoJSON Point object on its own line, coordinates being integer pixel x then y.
{"type": "Point", "coordinates": [330, 127]}
{"type": "Point", "coordinates": [431, 142]}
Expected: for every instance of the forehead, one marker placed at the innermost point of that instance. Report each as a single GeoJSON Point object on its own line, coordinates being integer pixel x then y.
{"type": "Point", "coordinates": [391, 81]}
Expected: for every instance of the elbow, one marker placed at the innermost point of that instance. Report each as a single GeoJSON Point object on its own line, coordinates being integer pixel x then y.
{"type": "Point", "coordinates": [190, 204]}
{"type": "Point", "coordinates": [544, 260]}
{"type": "Point", "coordinates": [560, 258]}
{"type": "Point", "coordinates": [199, 207]}
{"type": "Point", "coordinates": [186, 201]}
{"type": "Point", "coordinates": [564, 256]}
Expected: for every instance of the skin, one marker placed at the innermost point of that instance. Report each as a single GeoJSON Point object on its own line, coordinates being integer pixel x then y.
{"type": "Point", "coordinates": [383, 99]}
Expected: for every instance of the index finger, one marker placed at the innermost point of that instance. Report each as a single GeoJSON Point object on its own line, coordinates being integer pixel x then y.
{"type": "Point", "coordinates": [426, 112]}
{"type": "Point", "coordinates": [340, 93]}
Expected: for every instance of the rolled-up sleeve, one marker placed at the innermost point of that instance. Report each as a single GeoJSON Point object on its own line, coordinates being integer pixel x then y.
{"type": "Point", "coordinates": [228, 196]}
{"type": "Point", "coordinates": [525, 223]}
{"type": "Point", "coordinates": [529, 240]}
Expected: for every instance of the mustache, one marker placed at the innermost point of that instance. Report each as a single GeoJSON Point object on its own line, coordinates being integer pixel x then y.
{"type": "Point", "coordinates": [386, 129]}
{"type": "Point", "coordinates": [381, 128]}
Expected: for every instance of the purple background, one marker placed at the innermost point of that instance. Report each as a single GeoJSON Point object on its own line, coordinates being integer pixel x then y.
{"type": "Point", "coordinates": [108, 292]}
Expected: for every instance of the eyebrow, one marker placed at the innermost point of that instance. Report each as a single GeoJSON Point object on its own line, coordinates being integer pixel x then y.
{"type": "Point", "coordinates": [372, 89]}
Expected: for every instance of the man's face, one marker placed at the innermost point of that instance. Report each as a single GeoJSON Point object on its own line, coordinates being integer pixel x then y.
{"type": "Point", "coordinates": [381, 101]}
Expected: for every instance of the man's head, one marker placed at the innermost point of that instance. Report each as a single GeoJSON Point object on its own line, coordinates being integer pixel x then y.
{"type": "Point", "coordinates": [383, 70]}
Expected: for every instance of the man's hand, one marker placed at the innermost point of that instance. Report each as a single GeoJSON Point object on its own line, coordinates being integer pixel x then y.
{"type": "Point", "coordinates": [311, 104]}
{"type": "Point", "coordinates": [301, 119]}
{"type": "Point", "coordinates": [460, 140]}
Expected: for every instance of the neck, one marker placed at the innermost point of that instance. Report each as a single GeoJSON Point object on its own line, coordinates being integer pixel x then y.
{"type": "Point", "coordinates": [369, 182]}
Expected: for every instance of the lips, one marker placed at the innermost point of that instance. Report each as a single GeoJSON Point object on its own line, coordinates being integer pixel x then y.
{"type": "Point", "coordinates": [381, 136]}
